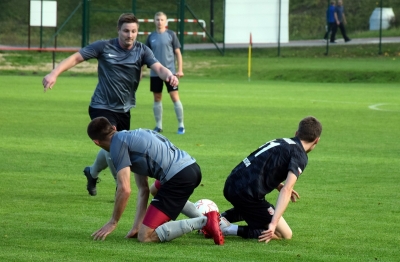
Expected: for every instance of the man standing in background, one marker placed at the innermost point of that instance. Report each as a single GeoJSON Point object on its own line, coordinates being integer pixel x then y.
{"type": "Point", "coordinates": [332, 21]}
{"type": "Point", "coordinates": [342, 20]}
{"type": "Point", "coordinates": [165, 46]}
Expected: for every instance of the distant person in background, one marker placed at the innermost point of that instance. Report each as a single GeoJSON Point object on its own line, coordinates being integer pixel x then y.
{"type": "Point", "coordinates": [332, 21]}
{"type": "Point", "coordinates": [119, 67]}
{"type": "Point", "coordinates": [166, 47]}
{"type": "Point", "coordinates": [342, 20]}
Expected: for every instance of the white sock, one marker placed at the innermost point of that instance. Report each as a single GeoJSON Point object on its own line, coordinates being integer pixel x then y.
{"type": "Point", "coordinates": [100, 163]}
{"type": "Point", "coordinates": [174, 229]}
{"type": "Point", "coordinates": [231, 230]}
{"type": "Point", "coordinates": [111, 166]}
{"type": "Point", "coordinates": [190, 210]}
{"type": "Point", "coordinates": [158, 111]}
{"type": "Point", "coordinates": [179, 112]}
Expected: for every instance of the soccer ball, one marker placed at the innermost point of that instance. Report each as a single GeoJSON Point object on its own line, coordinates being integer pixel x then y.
{"type": "Point", "coordinates": [206, 205]}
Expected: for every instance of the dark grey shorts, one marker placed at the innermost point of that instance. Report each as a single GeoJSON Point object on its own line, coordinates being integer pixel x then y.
{"type": "Point", "coordinates": [173, 195]}
{"type": "Point", "coordinates": [122, 121]}
{"type": "Point", "coordinates": [256, 212]}
{"type": "Point", "coordinates": [156, 85]}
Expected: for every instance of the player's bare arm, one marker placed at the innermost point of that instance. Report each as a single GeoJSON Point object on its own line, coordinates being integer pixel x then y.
{"type": "Point", "coordinates": [179, 60]}
{"type": "Point", "coordinates": [165, 74]}
{"type": "Point", "coordinates": [280, 207]}
{"type": "Point", "coordinates": [141, 206]}
{"type": "Point", "coordinates": [50, 79]}
{"type": "Point", "coordinates": [294, 196]}
{"type": "Point", "coordinates": [121, 199]}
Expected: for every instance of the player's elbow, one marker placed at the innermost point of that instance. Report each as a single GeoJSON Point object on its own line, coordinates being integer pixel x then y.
{"type": "Point", "coordinates": [285, 190]}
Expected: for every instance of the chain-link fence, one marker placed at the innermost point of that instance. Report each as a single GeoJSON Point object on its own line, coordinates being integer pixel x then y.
{"type": "Point", "coordinates": [84, 21]}
{"type": "Point", "coordinates": [98, 20]}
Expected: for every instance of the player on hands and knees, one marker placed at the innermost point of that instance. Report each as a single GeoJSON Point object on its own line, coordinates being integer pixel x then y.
{"type": "Point", "coordinates": [149, 154]}
{"type": "Point", "coordinates": [277, 161]}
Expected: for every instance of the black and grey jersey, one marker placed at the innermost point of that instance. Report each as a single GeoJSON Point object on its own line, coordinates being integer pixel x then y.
{"type": "Point", "coordinates": [118, 73]}
{"type": "Point", "coordinates": [265, 168]}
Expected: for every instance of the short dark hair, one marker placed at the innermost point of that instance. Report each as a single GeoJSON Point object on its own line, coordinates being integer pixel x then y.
{"type": "Point", "coordinates": [127, 18]}
{"type": "Point", "coordinates": [100, 128]}
{"type": "Point", "coordinates": [309, 129]}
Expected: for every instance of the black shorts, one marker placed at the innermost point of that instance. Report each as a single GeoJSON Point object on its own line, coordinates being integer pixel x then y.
{"type": "Point", "coordinates": [173, 195]}
{"type": "Point", "coordinates": [256, 212]}
{"type": "Point", "coordinates": [156, 85]}
{"type": "Point", "coordinates": [122, 121]}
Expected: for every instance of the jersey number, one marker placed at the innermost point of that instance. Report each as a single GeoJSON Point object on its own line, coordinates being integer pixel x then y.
{"type": "Point", "coordinates": [272, 144]}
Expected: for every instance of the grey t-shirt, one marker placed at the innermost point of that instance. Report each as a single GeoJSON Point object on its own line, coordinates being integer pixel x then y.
{"type": "Point", "coordinates": [163, 46]}
{"type": "Point", "coordinates": [339, 12]}
{"type": "Point", "coordinates": [118, 73]}
{"type": "Point", "coordinates": [148, 153]}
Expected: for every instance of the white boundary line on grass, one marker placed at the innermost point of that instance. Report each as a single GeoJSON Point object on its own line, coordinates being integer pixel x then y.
{"type": "Point", "coordinates": [372, 107]}
{"type": "Point", "coordinates": [377, 107]}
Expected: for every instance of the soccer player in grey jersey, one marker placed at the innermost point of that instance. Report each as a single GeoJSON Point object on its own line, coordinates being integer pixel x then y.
{"type": "Point", "coordinates": [261, 172]}
{"type": "Point", "coordinates": [149, 154]}
{"type": "Point", "coordinates": [119, 67]}
{"type": "Point", "coordinates": [166, 47]}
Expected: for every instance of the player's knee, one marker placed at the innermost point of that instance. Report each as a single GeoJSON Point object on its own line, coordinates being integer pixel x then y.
{"type": "Point", "coordinates": [157, 97]}
{"type": "Point", "coordinates": [287, 234]}
{"type": "Point", "coordinates": [284, 234]}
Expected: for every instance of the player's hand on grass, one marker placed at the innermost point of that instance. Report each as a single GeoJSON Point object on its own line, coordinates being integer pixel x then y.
{"type": "Point", "coordinates": [133, 233]}
{"type": "Point", "coordinates": [48, 82]}
{"type": "Point", "coordinates": [294, 196]}
{"type": "Point", "coordinates": [103, 232]}
{"type": "Point", "coordinates": [268, 234]}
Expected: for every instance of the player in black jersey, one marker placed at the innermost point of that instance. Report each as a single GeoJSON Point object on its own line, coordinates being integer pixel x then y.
{"type": "Point", "coordinates": [277, 161]}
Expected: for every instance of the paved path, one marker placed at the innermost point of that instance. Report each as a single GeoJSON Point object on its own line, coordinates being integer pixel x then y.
{"type": "Point", "coordinates": [298, 43]}
{"type": "Point", "coordinates": [321, 42]}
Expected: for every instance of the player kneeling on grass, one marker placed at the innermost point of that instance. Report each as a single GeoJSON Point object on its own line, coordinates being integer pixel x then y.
{"type": "Point", "coordinates": [149, 154]}
{"type": "Point", "coordinates": [261, 172]}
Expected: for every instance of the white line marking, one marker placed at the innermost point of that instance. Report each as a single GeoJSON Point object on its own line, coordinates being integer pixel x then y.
{"type": "Point", "coordinates": [337, 102]}
{"type": "Point", "coordinates": [372, 107]}
{"type": "Point", "coordinates": [376, 107]}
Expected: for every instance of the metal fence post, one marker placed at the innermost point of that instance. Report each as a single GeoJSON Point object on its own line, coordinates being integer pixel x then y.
{"type": "Point", "coordinates": [182, 23]}
{"type": "Point", "coordinates": [134, 7]}
{"type": "Point", "coordinates": [328, 30]}
{"type": "Point", "coordinates": [380, 31]}
{"type": "Point", "coordinates": [84, 22]}
{"type": "Point", "coordinates": [279, 29]}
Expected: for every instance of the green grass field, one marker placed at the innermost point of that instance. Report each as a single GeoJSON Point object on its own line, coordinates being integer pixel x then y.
{"type": "Point", "coordinates": [349, 207]}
